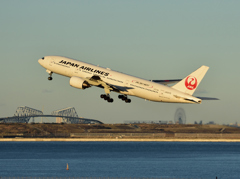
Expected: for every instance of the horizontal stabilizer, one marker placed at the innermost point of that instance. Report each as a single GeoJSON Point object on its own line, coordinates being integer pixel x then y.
{"type": "Point", "coordinates": [207, 98]}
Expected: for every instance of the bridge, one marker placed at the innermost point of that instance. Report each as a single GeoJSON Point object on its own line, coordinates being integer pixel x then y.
{"type": "Point", "coordinates": [23, 114]}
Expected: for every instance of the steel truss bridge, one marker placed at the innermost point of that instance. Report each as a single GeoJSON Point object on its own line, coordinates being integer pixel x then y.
{"type": "Point", "coordinates": [23, 114]}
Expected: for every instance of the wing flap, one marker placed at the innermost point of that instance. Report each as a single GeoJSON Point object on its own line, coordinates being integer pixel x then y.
{"type": "Point", "coordinates": [97, 81]}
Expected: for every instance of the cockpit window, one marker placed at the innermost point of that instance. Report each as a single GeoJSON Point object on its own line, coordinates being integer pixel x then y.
{"type": "Point", "coordinates": [43, 58]}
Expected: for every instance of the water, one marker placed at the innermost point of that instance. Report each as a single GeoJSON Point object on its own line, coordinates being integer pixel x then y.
{"type": "Point", "coordinates": [120, 159]}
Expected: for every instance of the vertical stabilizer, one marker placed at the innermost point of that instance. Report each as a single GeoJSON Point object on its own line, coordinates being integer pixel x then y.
{"type": "Point", "coordinates": [189, 84]}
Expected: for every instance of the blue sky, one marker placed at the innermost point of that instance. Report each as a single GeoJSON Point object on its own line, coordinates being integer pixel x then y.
{"type": "Point", "coordinates": [148, 39]}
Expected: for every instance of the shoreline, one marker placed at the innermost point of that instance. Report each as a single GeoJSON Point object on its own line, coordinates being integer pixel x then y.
{"type": "Point", "coordinates": [112, 140]}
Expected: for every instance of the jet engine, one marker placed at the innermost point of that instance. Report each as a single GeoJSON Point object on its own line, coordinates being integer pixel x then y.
{"type": "Point", "coordinates": [78, 82]}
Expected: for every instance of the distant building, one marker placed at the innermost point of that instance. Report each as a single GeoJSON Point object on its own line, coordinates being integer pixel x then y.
{"type": "Point", "coordinates": [211, 122]}
{"type": "Point", "coordinates": [59, 119]}
{"type": "Point", "coordinates": [163, 122]}
{"type": "Point", "coordinates": [198, 123]}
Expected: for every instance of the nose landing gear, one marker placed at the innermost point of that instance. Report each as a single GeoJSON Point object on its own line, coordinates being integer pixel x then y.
{"type": "Point", "coordinates": [50, 75]}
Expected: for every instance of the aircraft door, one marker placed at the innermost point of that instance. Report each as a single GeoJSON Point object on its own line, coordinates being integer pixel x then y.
{"type": "Point", "coordinates": [76, 71]}
{"type": "Point", "coordinates": [127, 83]}
{"type": "Point", "coordinates": [51, 62]}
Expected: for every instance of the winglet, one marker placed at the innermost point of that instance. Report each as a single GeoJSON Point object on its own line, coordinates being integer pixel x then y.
{"type": "Point", "coordinates": [189, 84]}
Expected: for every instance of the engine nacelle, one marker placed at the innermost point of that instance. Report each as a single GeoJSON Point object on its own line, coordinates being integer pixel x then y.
{"type": "Point", "coordinates": [78, 82]}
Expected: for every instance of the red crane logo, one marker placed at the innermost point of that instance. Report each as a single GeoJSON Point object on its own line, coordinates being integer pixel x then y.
{"type": "Point", "coordinates": [191, 82]}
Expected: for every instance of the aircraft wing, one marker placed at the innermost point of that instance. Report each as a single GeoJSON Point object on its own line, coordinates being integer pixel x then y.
{"type": "Point", "coordinates": [97, 81]}
{"type": "Point", "coordinates": [166, 82]}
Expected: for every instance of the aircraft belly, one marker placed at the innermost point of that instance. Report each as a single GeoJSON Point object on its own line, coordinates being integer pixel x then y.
{"type": "Point", "coordinates": [141, 93]}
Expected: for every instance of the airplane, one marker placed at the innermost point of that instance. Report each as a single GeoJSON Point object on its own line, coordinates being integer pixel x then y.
{"type": "Point", "coordinates": [84, 75]}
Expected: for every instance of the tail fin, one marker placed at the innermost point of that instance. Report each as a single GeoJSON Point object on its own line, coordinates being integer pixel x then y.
{"type": "Point", "coordinates": [189, 84]}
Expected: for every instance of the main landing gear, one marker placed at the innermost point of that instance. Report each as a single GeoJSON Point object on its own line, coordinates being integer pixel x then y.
{"type": "Point", "coordinates": [124, 98]}
{"type": "Point", "coordinates": [107, 97]}
{"type": "Point", "coordinates": [110, 100]}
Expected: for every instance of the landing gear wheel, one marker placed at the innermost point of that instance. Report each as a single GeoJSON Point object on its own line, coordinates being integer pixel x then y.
{"type": "Point", "coordinates": [50, 78]}
{"type": "Point", "coordinates": [128, 100]}
{"type": "Point", "coordinates": [106, 97]}
{"type": "Point", "coordinates": [110, 100]}
{"type": "Point", "coordinates": [124, 98]}
{"type": "Point", "coordinates": [120, 96]}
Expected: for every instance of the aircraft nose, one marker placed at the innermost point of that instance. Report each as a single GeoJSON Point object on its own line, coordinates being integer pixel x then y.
{"type": "Point", "coordinates": [40, 61]}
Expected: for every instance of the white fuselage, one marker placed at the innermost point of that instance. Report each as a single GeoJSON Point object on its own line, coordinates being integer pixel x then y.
{"type": "Point", "coordinates": [135, 86]}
